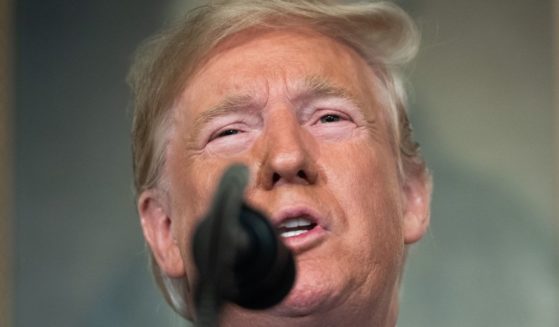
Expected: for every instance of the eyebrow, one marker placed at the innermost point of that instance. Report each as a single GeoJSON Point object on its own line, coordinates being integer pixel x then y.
{"type": "Point", "coordinates": [231, 104]}
{"type": "Point", "coordinates": [316, 86]}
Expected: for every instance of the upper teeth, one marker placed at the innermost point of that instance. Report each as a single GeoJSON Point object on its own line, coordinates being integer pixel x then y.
{"type": "Point", "coordinates": [295, 222]}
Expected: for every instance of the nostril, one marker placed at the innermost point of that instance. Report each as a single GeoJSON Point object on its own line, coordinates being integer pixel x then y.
{"type": "Point", "coordinates": [300, 176]}
{"type": "Point", "coordinates": [275, 178]}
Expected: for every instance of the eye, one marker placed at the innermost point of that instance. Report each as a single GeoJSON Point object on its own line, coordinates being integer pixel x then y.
{"type": "Point", "coordinates": [330, 118]}
{"type": "Point", "coordinates": [224, 133]}
{"type": "Point", "coordinates": [227, 132]}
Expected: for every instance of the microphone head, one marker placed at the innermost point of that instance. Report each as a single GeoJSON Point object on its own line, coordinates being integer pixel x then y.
{"type": "Point", "coordinates": [265, 271]}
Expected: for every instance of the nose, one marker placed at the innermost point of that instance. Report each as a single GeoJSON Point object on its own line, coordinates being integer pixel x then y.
{"type": "Point", "coordinates": [285, 152]}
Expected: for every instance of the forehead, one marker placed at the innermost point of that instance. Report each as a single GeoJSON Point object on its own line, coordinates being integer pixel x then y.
{"type": "Point", "coordinates": [260, 63]}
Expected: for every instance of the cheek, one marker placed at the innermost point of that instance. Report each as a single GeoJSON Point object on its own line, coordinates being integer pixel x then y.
{"type": "Point", "coordinates": [190, 187]}
{"type": "Point", "coordinates": [366, 183]}
{"type": "Point", "coordinates": [191, 191]}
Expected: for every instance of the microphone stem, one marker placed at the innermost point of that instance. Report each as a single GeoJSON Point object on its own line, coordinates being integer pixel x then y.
{"type": "Point", "coordinates": [208, 306]}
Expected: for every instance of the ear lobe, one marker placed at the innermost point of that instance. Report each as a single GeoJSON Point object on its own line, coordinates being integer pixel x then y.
{"type": "Point", "coordinates": [417, 191]}
{"type": "Point", "coordinates": [156, 225]}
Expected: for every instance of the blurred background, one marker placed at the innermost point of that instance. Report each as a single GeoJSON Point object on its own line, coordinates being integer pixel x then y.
{"type": "Point", "coordinates": [482, 102]}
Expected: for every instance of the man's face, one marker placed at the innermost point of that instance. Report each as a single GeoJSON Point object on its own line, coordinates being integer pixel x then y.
{"type": "Point", "coordinates": [305, 114]}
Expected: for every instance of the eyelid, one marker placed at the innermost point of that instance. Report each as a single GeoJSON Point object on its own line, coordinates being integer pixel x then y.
{"type": "Point", "coordinates": [215, 134]}
{"type": "Point", "coordinates": [237, 121]}
{"type": "Point", "coordinates": [319, 113]}
{"type": "Point", "coordinates": [343, 106]}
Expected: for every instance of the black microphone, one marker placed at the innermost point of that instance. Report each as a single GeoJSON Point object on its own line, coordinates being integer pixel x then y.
{"type": "Point", "coordinates": [238, 253]}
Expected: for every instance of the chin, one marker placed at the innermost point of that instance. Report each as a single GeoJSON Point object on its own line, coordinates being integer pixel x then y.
{"type": "Point", "coordinates": [300, 303]}
{"type": "Point", "coordinates": [312, 293]}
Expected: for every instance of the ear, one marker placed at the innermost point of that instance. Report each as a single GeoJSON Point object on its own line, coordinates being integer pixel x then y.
{"type": "Point", "coordinates": [156, 224]}
{"type": "Point", "coordinates": [417, 192]}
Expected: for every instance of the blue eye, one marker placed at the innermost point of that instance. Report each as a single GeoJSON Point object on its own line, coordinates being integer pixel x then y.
{"type": "Point", "coordinates": [330, 118]}
{"type": "Point", "coordinates": [227, 132]}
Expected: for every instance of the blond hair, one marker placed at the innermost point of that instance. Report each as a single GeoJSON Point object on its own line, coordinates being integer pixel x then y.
{"type": "Point", "coordinates": [380, 32]}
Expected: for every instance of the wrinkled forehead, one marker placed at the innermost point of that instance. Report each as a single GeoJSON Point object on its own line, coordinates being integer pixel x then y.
{"type": "Point", "coordinates": [259, 63]}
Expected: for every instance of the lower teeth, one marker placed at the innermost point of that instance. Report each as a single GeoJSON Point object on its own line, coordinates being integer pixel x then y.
{"type": "Point", "coordinates": [293, 233]}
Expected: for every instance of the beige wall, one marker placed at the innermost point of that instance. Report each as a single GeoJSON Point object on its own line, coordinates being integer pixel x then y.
{"type": "Point", "coordinates": [5, 158]}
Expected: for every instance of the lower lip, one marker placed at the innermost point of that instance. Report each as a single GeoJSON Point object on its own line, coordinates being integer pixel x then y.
{"type": "Point", "coordinates": [306, 241]}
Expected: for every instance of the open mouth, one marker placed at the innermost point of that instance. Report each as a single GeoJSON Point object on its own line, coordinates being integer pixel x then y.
{"type": "Point", "coordinates": [296, 226]}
